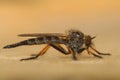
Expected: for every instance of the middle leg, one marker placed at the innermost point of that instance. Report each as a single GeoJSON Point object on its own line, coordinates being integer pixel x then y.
{"type": "Point", "coordinates": [61, 49]}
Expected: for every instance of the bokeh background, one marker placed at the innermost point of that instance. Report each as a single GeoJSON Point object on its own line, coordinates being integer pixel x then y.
{"type": "Point", "coordinates": [93, 17]}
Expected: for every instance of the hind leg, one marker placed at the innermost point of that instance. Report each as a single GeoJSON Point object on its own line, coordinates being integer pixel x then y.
{"type": "Point", "coordinates": [55, 46]}
{"type": "Point", "coordinates": [39, 54]}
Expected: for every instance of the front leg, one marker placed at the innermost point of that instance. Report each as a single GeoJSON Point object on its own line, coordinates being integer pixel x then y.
{"type": "Point", "coordinates": [94, 54]}
{"type": "Point", "coordinates": [99, 52]}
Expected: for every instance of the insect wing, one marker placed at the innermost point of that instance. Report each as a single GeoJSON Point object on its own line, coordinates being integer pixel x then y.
{"type": "Point", "coordinates": [42, 35]}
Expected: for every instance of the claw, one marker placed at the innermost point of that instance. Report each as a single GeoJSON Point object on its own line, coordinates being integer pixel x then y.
{"type": "Point", "coordinates": [30, 58]}
{"type": "Point", "coordinates": [98, 56]}
{"type": "Point", "coordinates": [105, 54]}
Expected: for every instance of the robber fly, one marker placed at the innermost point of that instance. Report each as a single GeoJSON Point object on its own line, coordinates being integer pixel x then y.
{"type": "Point", "coordinates": [74, 40]}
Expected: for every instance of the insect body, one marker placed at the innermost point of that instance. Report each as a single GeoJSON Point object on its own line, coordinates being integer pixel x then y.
{"type": "Point", "coordinates": [75, 42]}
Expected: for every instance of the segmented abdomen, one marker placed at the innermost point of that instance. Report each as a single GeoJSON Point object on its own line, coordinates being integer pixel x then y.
{"type": "Point", "coordinates": [45, 40]}
{"type": "Point", "coordinates": [37, 41]}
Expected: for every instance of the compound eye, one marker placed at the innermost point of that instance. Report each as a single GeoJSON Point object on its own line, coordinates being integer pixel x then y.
{"type": "Point", "coordinates": [81, 35]}
{"type": "Point", "coordinates": [74, 34]}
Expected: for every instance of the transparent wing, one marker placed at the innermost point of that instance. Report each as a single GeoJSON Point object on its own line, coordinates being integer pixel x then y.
{"type": "Point", "coordinates": [42, 35]}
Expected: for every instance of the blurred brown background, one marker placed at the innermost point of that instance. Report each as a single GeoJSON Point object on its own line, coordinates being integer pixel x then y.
{"type": "Point", "coordinates": [94, 17]}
